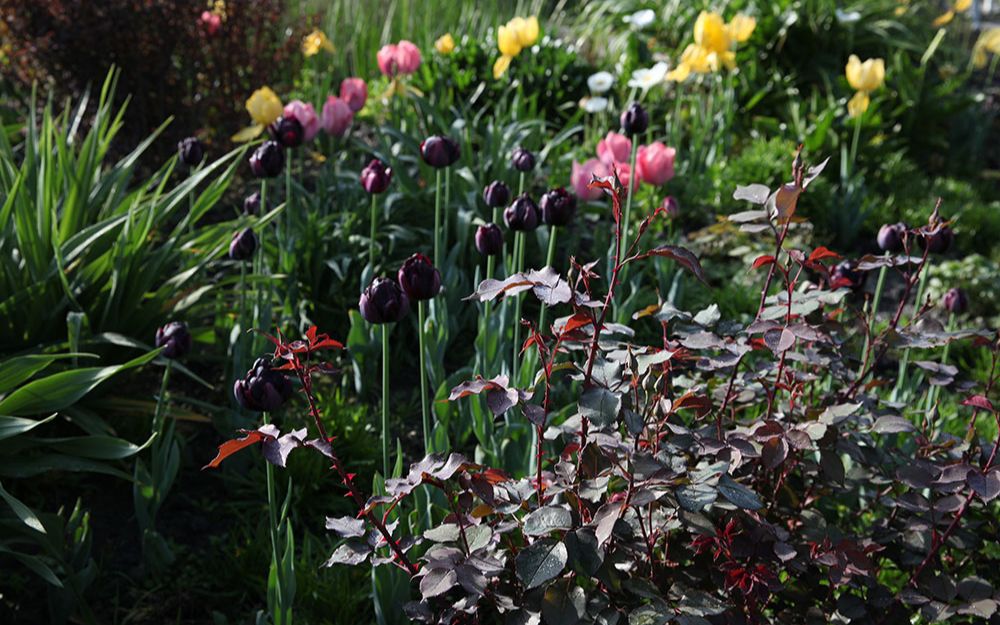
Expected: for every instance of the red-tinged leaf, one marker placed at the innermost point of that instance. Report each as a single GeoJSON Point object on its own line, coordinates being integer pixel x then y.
{"type": "Point", "coordinates": [979, 401]}
{"type": "Point", "coordinates": [612, 186]}
{"type": "Point", "coordinates": [822, 252]}
{"type": "Point", "coordinates": [577, 321]}
{"type": "Point", "coordinates": [683, 256]}
{"type": "Point", "coordinates": [230, 447]}
{"type": "Point", "coordinates": [699, 403]}
{"type": "Point", "coordinates": [495, 476]}
{"type": "Point", "coordinates": [762, 261]}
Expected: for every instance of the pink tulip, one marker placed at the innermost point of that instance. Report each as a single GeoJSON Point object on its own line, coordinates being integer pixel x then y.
{"type": "Point", "coordinates": [626, 176]}
{"type": "Point", "coordinates": [211, 21]}
{"type": "Point", "coordinates": [337, 116]}
{"type": "Point", "coordinates": [354, 91]}
{"type": "Point", "coordinates": [581, 176]}
{"type": "Point", "coordinates": [655, 163]}
{"type": "Point", "coordinates": [614, 148]}
{"type": "Point", "coordinates": [401, 58]}
{"type": "Point", "coordinates": [305, 114]}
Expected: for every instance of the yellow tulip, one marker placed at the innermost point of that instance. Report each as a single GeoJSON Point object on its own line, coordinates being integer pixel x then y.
{"type": "Point", "coordinates": [264, 106]}
{"type": "Point", "coordinates": [501, 65]}
{"type": "Point", "coordinates": [944, 19]}
{"type": "Point", "coordinates": [314, 42]}
{"type": "Point", "coordinates": [858, 104]}
{"type": "Point", "coordinates": [741, 27]}
{"type": "Point", "coordinates": [527, 31]}
{"type": "Point", "coordinates": [710, 32]}
{"type": "Point", "coordinates": [679, 73]}
{"type": "Point", "coordinates": [508, 41]}
{"type": "Point", "coordinates": [445, 44]}
{"type": "Point", "coordinates": [867, 76]}
{"type": "Point", "coordinates": [989, 41]}
{"type": "Point", "coordinates": [961, 6]}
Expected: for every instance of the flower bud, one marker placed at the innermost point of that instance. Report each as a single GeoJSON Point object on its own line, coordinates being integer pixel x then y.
{"type": "Point", "coordinates": [175, 339]}
{"type": "Point", "coordinates": [890, 237]}
{"type": "Point", "coordinates": [635, 120]}
{"type": "Point", "coordinates": [496, 194]}
{"type": "Point", "coordinates": [558, 207]}
{"type": "Point", "coordinates": [522, 215]}
{"type": "Point", "coordinates": [672, 208]}
{"type": "Point", "coordinates": [522, 160]}
{"type": "Point", "coordinates": [845, 274]}
{"type": "Point", "coordinates": [939, 242]}
{"type": "Point", "coordinates": [383, 302]}
{"type": "Point", "coordinates": [287, 131]}
{"type": "Point", "coordinates": [418, 278]}
{"type": "Point", "coordinates": [375, 176]}
{"type": "Point", "coordinates": [956, 301]}
{"type": "Point", "coordinates": [439, 152]}
{"type": "Point", "coordinates": [251, 204]}
{"type": "Point", "coordinates": [489, 239]}
{"type": "Point", "coordinates": [263, 389]}
{"type": "Point", "coordinates": [267, 160]}
{"type": "Point", "coordinates": [243, 245]}
{"type": "Point", "coordinates": [190, 151]}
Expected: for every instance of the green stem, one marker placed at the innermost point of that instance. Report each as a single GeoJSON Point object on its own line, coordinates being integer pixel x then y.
{"type": "Point", "coordinates": [549, 261]}
{"type": "Point", "coordinates": [873, 312]}
{"type": "Point", "coordinates": [854, 144]}
{"type": "Point", "coordinates": [628, 200]}
{"type": "Point", "coordinates": [446, 216]}
{"type": "Point", "coordinates": [519, 251]}
{"type": "Point", "coordinates": [437, 218]}
{"type": "Point", "coordinates": [934, 391]}
{"type": "Point", "coordinates": [424, 403]}
{"type": "Point", "coordinates": [916, 309]}
{"type": "Point", "coordinates": [371, 236]}
{"type": "Point", "coordinates": [488, 306]}
{"type": "Point", "coordinates": [272, 509]}
{"type": "Point", "coordinates": [385, 401]}
{"type": "Point", "coordinates": [286, 219]}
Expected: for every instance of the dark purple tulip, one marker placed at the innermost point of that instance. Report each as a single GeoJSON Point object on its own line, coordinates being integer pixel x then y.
{"type": "Point", "coordinates": [489, 239]}
{"type": "Point", "coordinates": [558, 207]}
{"type": "Point", "coordinates": [956, 301]}
{"type": "Point", "coordinates": [845, 274]}
{"type": "Point", "coordinates": [243, 245]}
{"type": "Point", "coordinates": [522, 215]}
{"type": "Point", "coordinates": [890, 237]}
{"type": "Point", "coordinates": [940, 241]}
{"type": "Point", "coordinates": [267, 160]}
{"type": "Point", "coordinates": [190, 151]}
{"type": "Point", "coordinates": [175, 339]}
{"type": "Point", "coordinates": [263, 389]}
{"type": "Point", "coordinates": [522, 160]}
{"type": "Point", "coordinates": [251, 204]}
{"type": "Point", "coordinates": [375, 176]}
{"type": "Point", "coordinates": [635, 120]}
{"type": "Point", "coordinates": [439, 152]}
{"type": "Point", "coordinates": [418, 278]}
{"type": "Point", "coordinates": [288, 132]}
{"type": "Point", "coordinates": [383, 302]}
{"type": "Point", "coordinates": [496, 194]}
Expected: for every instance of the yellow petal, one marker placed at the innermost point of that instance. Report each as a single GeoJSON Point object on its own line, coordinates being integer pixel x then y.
{"type": "Point", "coordinates": [264, 106]}
{"type": "Point", "coordinates": [961, 6]}
{"type": "Point", "coordinates": [943, 19]}
{"type": "Point", "coordinates": [501, 65]}
{"type": "Point", "coordinates": [979, 57]}
{"type": "Point", "coordinates": [853, 71]}
{"type": "Point", "coordinates": [247, 134]}
{"type": "Point", "coordinates": [445, 44]}
{"type": "Point", "coordinates": [508, 41]}
{"type": "Point", "coordinates": [990, 40]}
{"type": "Point", "coordinates": [741, 27]}
{"type": "Point", "coordinates": [679, 73]}
{"type": "Point", "coordinates": [528, 32]}
{"type": "Point", "coordinates": [710, 32]}
{"type": "Point", "coordinates": [858, 104]}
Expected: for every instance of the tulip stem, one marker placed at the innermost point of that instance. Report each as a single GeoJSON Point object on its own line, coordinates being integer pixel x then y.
{"type": "Point", "coordinates": [487, 307]}
{"type": "Point", "coordinates": [549, 261]}
{"type": "Point", "coordinates": [437, 218]}
{"type": "Point", "coordinates": [445, 217]}
{"type": "Point", "coordinates": [519, 266]}
{"type": "Point", "coordinates": [628, 201]}
{"type": "Point", "coordinates": [272, 508]}
{"type": "Point", "coordinates": [917, 304]}
{"type": "Point", "coordinates": [424, 405]}
{"type": "Point", "coordinates": [932, 393]}
{"type": "Point", "coordinates": [385, 401]}
{"type": "Point", "coordinates": [873, 312]}
{"type": "Point", "coordinates": [371, 237]}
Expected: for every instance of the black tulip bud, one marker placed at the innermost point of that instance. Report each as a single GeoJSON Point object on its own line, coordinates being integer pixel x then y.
{"type": "Point", "coordinates": [496, 194]}
{"type": "Point", "coordinates": [190, 151]}
{"type": "Point", "coordinates": [489, 239]}
{"type": "Point", "coordinates": [383, 302]}
{"type": "Point", "coordinates": [267, 160]}
{"type": "Point", "coordinates": [418, 278]}
{"type": "Point", "coordinates": [439, 152]}
{"type": "Point", "coordinates": [288, 132]}
{"type": "Point", "coordinates": [375, 177]}
{"type": "Point", "coordinates": [635, 120]}
{"type": "Point", "coordinates": [890, 237]}
{"type": "Point", "coordinates": [671, 207]}
{"type": "Point", "coordinates": [243, 245]}
{"type": "Point", "coordinates": [522, 160]}
{"type": "Point", "coordinates": [845, 274]}
{"type": "Point", "coordinates": [558, 207]}
{"type": "Point", "coordinates": [956, 301]}
{"type": "Point", "coordinates": [263, 389]}
{"type": "Point", "coordinates": [251, 204]}
{"type": "Point", "coordinates": [175, 339]}
{"type": "Point", "coordinates": [522, 215]}
{"type": "Point", "coordinates": [939, 241]}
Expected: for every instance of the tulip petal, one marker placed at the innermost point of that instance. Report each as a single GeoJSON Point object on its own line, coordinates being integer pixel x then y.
{"type": "Point", "coordinates": [247, 134]}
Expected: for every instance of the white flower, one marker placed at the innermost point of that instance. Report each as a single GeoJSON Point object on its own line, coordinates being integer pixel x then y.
{"type": "Point", "coordinates": [847, 17]}
{"type": "Point", "coordinates": [646, 79]}
{"type": "Point", "coordinates": [594, 104]}
{"type": "Point", "coordinates": [640, 19]}
{"type": "Point", "coordinates": [600, 82]}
